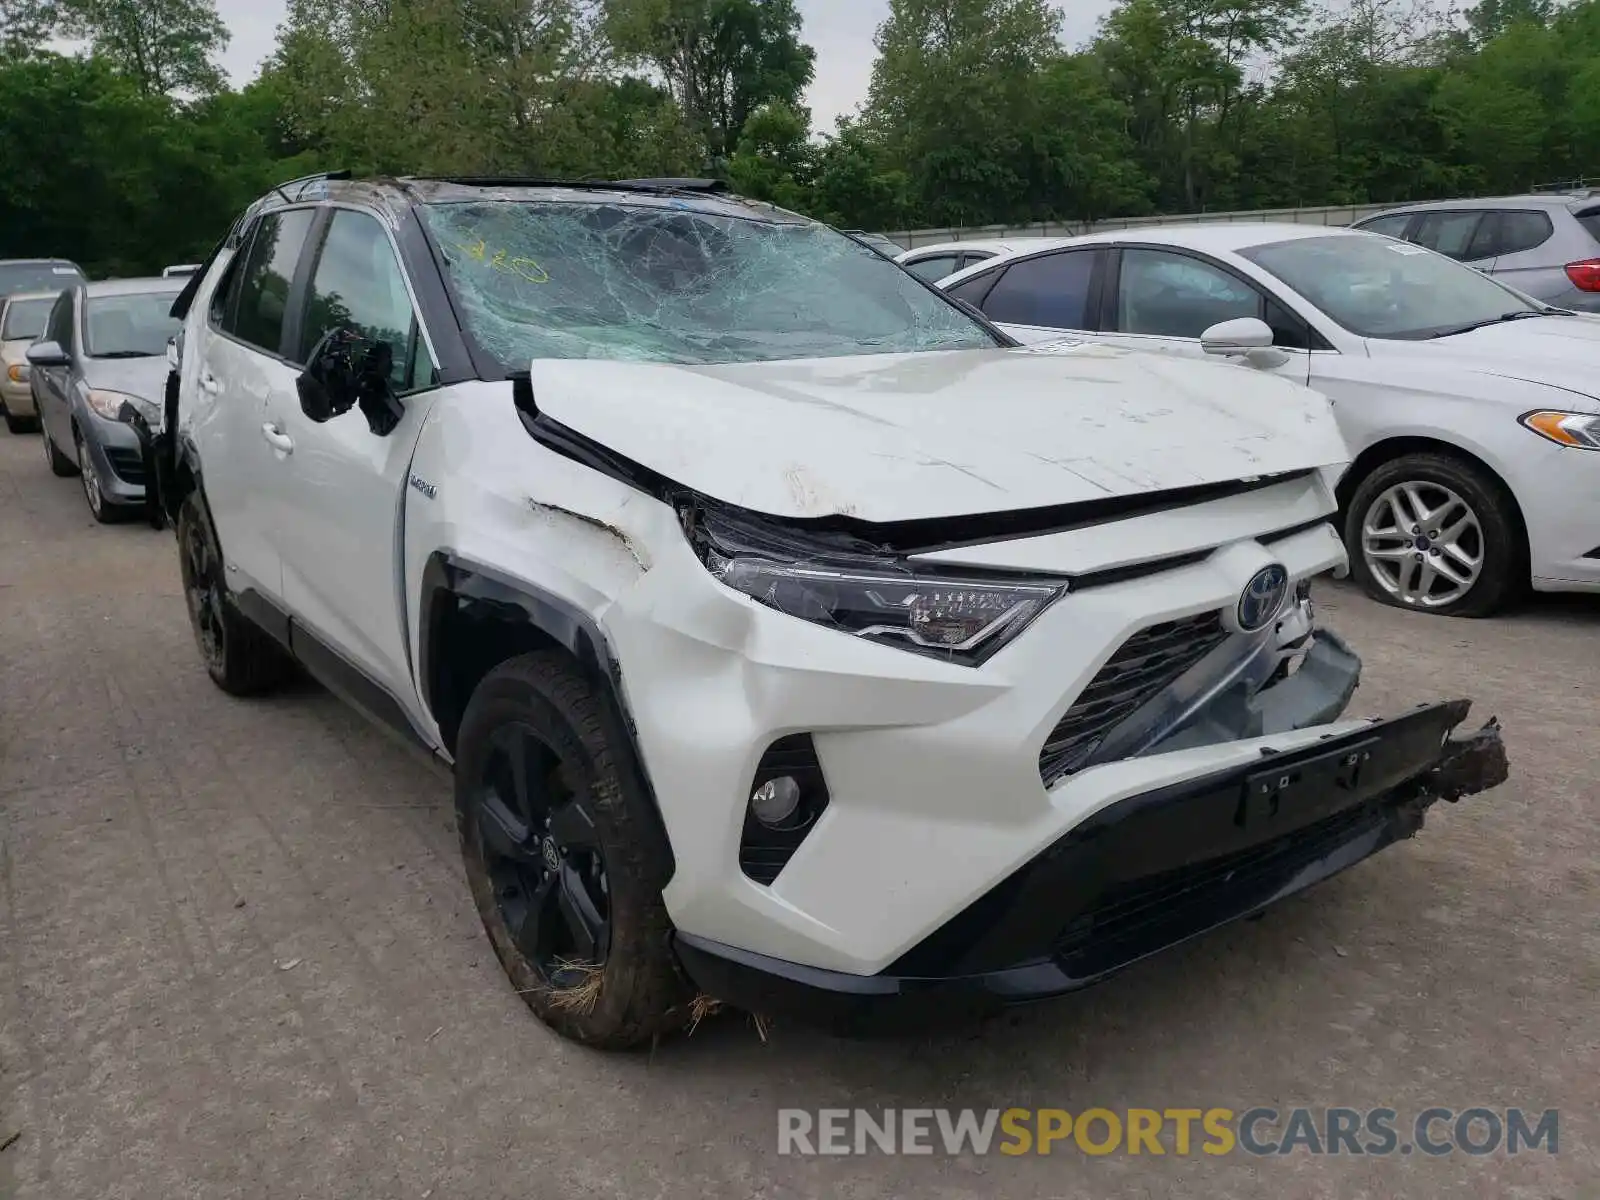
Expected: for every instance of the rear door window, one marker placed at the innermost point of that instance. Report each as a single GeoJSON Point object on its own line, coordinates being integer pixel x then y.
{"type": "Point", "coordinates": [261, 296]}
{"type": "Point", "coordinates": [1517, 231]}
{"type": "Point", "coordinates": [935, 267]}
{"type": "Point", "coordinates": [1051, 291]}
{"type": "Point", "coordinates": [1394, 226]}
{"type": "Point", "coordinates": [1449, 233]}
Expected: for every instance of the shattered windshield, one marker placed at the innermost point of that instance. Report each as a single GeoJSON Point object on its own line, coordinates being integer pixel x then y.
{"type": "Point", "coordinates": [677, 284]}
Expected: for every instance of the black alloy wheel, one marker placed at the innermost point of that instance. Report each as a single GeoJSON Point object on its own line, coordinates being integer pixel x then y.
{"type": "Point", "coordinates": [203, 589]}
{"type": "Point", "coordinates": [543, 855]}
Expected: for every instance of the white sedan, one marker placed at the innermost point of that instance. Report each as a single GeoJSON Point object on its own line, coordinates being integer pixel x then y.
{"type": "Point", "coordinates": [1472, 411]}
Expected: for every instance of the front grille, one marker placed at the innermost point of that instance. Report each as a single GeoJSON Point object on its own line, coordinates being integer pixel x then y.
{"type": "Point", "coordinates": [1131, 919]}
{"type": "Point", "coordinates": [128, 465]}
{"type": "Point", "coordinates": [1145, 665]}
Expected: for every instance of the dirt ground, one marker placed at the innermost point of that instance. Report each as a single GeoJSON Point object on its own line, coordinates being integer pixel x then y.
{"type": "Point", "coordinates": [237, 958]}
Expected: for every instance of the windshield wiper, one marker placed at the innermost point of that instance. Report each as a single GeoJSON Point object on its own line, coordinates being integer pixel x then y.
{"type": "Point", "coordinates": [1520, 314]}
{"type": "Point", "coordinates": [125, 354]}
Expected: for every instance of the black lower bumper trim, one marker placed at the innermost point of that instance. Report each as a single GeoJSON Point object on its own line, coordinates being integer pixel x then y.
{"type": "Point", "coordinates": [1137, 877]}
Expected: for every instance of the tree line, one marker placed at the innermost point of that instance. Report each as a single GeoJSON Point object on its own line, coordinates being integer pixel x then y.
{"type": "Point", "coordinates": [132, 151]}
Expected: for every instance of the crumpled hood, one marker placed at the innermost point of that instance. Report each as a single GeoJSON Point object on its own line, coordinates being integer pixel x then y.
{"type": "Point", "coordinates": [906, 436]}
{"type": "Point", "coordinates": [1563, 352]}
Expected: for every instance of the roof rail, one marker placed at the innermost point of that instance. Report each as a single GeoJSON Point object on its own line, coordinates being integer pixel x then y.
{"type": "Point", "coordinates": [631, 185]}
{"type": "Point", "coordinates": [676, 185]}
{"type": "Point", "coordinates": [319, 177]}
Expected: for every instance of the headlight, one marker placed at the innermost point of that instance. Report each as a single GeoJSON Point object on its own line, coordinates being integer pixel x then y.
{"type": "Point", "coordinates": [109, 404]}
{"type": "Point", "coordinates": [19, 372]}
{"type": "Point", "coordinates": [958, 618]}
{"type": "Point", "coordinates": [1580, 430]}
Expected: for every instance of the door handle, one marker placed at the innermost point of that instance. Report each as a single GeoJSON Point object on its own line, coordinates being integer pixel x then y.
{"type": "Point", "coordinates": [277, 439]}
{"type": "Point", "coordinates": [209, 383]}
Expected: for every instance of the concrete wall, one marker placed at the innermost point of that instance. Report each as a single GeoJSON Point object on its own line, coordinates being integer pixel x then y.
{"type": "Point", "coordinates": [911, 239]}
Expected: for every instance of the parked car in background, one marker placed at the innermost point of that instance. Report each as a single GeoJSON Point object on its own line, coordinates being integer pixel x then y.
{"type": "Point", "coordinates": [103, 358]}
{"type": "Point", "coordinates": [37, 274]}
{"type": "Point", "coordinates": [1546, 244]}
{"type": "Point", "coordinates": [774, 613]}
{"type": "Point", "coordinates": [182, 270]}
{"type": "Point", "coordinates": [941, 259]}
{"type": "Point", "coordinates": [22, 318]}
{"type": "Point", "coordinates": [1472, 412]}
{"type": "Point", "coordinates": [877, 241]}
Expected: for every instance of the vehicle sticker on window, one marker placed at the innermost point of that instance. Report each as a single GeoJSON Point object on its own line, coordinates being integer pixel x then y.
{"type": "Point", "coordinates": [62, 271]}
{"type": "Point", "coordinates": [1405, 248]}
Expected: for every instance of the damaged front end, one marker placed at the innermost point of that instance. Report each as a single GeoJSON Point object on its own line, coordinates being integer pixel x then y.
{"type": "Point", "coordinates": [1140, 876]}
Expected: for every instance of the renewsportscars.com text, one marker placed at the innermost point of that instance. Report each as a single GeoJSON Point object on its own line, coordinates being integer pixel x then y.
{"type": "Point", "coordinates": [1433, 1132]}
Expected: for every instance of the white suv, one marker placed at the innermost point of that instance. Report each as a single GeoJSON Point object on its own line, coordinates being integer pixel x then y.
{"type": "Point", "coordinates": [796, 638]}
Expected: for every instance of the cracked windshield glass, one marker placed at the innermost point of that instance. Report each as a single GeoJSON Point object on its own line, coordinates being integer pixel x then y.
{"type": "Point", "coordinates": [654, 283]}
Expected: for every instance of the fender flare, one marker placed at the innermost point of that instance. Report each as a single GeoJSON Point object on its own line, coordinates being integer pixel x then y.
{"type": "Point", "coordinates": [448, 581]}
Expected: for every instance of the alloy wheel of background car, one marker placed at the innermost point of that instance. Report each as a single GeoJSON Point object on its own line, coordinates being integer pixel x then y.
{"type": "Point", "coordinates": [98, 504]}
{"type": "Point", "coordinates": [1423, 543]}
{"type": "Point", "coordinates": [1433, 533]}
{"type": "Point", "coordinates": [565, 857]}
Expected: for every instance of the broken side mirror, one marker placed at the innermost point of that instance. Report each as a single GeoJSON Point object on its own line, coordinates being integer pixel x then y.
{"type": "Point", "coordinates": [346, 371]}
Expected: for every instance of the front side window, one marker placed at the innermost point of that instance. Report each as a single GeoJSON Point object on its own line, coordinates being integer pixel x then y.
{"type": "Point", "coordinates": [683, 281]}
{"type": "Point", "coordinates": [935, 268]}
{"type": "Point", "coordinates": [60, 325]}
{"type": "Point", "coordinates": [1383, 289]}
{"type": "Point", "coordinates": [261, 294]}
{"type": "Point", "coordinates": [136, 325]}
{"type": "Point", "coordinates": [1449, 233]}
{"type": "Point", "coordinates": [25, 319]}
{"type": "Point", "coordinates": [358, 286]}
{"type": "Point", "coordinates": [1051, 291]}
{"type": "Point", "coordinates": [1172, 295]}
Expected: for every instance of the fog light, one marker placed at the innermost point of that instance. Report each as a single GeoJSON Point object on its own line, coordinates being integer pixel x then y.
{"type": "Point", "coordinates": [774, 801]}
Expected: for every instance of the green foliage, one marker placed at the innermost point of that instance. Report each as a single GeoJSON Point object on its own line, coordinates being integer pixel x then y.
{"type": "Point", "coordinates": [134, 154]}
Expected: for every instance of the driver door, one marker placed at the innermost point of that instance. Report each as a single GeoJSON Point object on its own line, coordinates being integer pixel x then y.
{"type": "Point", "coordinates": [1163, 300]}
{"type": "Point", "coordinates": [344, 484]}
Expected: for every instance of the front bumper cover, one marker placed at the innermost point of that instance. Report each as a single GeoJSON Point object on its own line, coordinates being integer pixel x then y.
{"type": "Point", "coordinates": [1138, 876]}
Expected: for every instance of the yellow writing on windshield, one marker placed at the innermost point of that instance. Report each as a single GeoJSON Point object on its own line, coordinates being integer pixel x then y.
{"type": "Point", "coordinates": [500, 260]}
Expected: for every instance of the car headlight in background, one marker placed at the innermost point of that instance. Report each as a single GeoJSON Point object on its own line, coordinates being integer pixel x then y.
{"type": "Point", "coordinates": [109, 404]}
{"type": "Point", "coordinates": [1579, 430]}
{"type": "Point", "coordinates": [19, 372]}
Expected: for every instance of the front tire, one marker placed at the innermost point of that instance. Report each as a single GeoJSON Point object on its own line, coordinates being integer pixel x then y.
{"type": "Point", "coordinates": [1435, 533]}
{"type": "Point", "coordinates": [564, 857]}
{"type": "Point", "coordinates": [239, 655]}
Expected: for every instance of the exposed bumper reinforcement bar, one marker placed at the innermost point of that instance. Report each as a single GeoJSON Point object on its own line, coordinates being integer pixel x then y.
{"type": "Point", "coordinates": [1139, 876]}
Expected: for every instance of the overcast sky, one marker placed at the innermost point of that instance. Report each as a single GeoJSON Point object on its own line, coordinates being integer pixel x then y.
{"type": "Point", "coordinates": [841, 31]}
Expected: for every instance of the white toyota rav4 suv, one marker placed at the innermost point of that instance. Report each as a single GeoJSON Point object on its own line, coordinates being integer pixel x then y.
{"type": "Point", "coordinates": [796, 638]}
